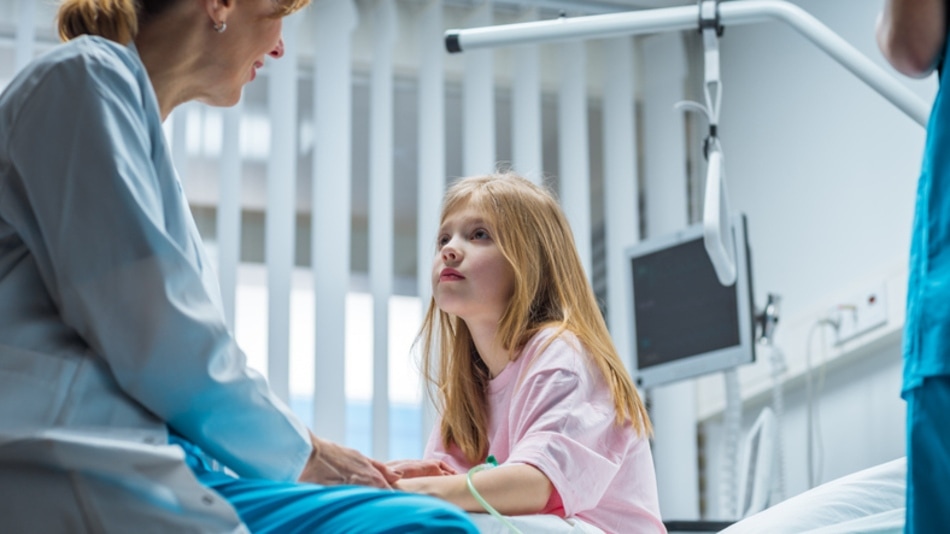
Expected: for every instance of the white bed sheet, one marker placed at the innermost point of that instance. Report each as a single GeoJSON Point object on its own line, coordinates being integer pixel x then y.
{"type": "Point", "coordinates": [528, 524]}
{"type": "Point", "coordinates": [869, 501]}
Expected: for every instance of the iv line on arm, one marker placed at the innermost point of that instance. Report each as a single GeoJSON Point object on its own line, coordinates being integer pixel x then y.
{"type": "Point", "coordinates": [490, 462]}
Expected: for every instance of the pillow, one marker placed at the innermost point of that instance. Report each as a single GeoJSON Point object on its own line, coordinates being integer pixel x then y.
{"type": "Point", "coordinates": [871, 500]}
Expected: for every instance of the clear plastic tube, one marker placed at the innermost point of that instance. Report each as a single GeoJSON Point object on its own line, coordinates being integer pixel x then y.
{"type": "Point", "coordinates": [777, 359]}
{"type": "Point", "coordinates": [489, 463]}
{"type": "Point", "coordinates": [732, 423]}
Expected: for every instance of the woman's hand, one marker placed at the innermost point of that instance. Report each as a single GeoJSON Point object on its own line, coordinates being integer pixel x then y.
{"type": "Point", "coordinates": [420, 468]}
{"type": "Point", "coordinates": [331, 464]}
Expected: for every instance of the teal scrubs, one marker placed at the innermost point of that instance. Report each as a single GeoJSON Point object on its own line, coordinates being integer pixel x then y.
{"type": "Point", "coordinates": [286, 507]}
{"type": "Point", "coordinates": [927, 331]}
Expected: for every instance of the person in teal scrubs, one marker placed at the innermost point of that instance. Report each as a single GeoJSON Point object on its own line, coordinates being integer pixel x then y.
{"type": "Point", "coordinates": [125, 403]}
{"type": "Point", "coordinates": [912, 34]}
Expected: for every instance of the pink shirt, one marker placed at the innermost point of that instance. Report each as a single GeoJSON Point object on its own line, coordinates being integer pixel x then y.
{"type": "Point", "coordinates": [553, 410]}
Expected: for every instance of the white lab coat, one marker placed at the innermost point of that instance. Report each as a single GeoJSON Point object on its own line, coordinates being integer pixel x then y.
{"type": "Point", "coordinates": [110, 316]}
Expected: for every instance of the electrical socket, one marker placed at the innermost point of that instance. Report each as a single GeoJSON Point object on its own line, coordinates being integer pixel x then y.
{"type": "Point", "coordinates": [864, 312]}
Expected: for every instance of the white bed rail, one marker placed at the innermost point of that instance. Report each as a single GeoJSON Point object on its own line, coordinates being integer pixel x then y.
{"type": "Point", "coordinates": [685, 18]}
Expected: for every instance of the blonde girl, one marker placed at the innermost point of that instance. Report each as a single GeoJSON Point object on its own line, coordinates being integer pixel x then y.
{"type": "Point", "coordinates": [520, 360]}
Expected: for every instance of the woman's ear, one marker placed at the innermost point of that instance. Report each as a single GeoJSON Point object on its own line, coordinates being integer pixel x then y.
{"type": "Point", "coordinates": [218, 10]}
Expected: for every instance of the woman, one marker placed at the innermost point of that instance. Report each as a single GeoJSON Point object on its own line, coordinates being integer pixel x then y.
{"type": "Point", "coordinates": [114, 353]}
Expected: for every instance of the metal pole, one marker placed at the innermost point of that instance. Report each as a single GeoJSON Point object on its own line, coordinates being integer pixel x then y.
{"type": "Point", "coordinates": [687, 17]}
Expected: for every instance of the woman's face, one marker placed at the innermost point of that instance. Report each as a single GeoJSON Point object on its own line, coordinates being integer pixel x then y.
{"type": "Point", "coordinates": [252, 34]}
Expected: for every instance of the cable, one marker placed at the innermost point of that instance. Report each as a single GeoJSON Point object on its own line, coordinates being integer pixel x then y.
{"type": "Point", "coordinates": [779, 368]}
{"type": "Point", "coordinates": [813, 402]}
{"type": "Point", "coordinates": [489, 463]}
{"type": "Point", "coordinates": [819, 440]}
{"type": "Point", "coordinates": [732, 422]}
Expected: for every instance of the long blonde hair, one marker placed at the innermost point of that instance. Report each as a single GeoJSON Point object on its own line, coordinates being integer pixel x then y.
{"type": "Point", "coordinates": [550, 290]}
{"type": "Point", "coordinates": [119, 20]}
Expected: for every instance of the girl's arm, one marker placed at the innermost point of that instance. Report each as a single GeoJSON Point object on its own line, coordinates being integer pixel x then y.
{"type": "Point", "coordinates": [911, 34]}
{"type": "Point", "coordinates": [512, 489]}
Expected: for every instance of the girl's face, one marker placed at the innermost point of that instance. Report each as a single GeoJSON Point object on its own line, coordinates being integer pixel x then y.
{"type": "Point", "coordinates": [470, 276]}
{"type": "Point", "coordinates": [252, 34]}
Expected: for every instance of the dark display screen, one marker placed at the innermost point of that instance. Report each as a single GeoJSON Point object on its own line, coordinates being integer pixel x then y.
{"type": "Point", "coordinates": [680, 307]}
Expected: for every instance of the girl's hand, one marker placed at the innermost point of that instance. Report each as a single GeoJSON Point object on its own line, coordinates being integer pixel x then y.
{"type": "Point", "coordinates": [420, 468]}
{"type": "Point", "coordinates": [513, 489]}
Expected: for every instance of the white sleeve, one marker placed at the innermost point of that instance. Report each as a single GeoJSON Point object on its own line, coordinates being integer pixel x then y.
{"type": "Point", "coordinates": [97, 212]}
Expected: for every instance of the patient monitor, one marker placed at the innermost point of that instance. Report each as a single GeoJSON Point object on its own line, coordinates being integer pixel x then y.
{"type": "Point", "coordinates": [685, 323]}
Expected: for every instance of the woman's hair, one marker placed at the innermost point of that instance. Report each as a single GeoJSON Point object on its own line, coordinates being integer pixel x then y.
{"type": "Point", "coordinates": [118, 20]}
{"type": "Point", "coordinates": [550, 290]}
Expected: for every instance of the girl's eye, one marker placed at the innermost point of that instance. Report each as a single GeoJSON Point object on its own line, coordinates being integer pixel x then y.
{"type": "Point", "coordinates": [480, 234]}
{"type": "Point", "coordinates": [443, 239]}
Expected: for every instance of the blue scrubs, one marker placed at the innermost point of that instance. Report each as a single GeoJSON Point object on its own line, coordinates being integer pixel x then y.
{"type": "Point", "coordinates": [928, 468]}
{"type": "Point", "coordinates": [288, 507]}
{"type": "Point", "coordinates": [927, 330]}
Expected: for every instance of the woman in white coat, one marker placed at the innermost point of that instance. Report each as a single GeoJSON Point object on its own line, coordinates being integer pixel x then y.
{"type": "Point", "coordinates": [125, 404]}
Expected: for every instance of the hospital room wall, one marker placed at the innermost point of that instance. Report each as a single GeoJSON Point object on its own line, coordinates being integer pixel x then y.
{"type": "Point", "coordinates": [826, 171]}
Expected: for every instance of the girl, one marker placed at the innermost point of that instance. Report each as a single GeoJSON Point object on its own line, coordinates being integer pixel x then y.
{"type": "Point", "coordinates": [515, 346]}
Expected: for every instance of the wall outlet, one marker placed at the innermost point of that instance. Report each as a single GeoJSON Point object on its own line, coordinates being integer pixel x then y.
{"type": "Point", "coordinates": [865, 312]}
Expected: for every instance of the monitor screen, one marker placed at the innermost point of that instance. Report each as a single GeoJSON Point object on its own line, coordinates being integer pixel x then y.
{"type": "Point", "coordinates": [685, 323]}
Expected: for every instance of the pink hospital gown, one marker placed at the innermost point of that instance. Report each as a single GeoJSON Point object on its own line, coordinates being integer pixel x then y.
{"type": "Point", "coordinates": [553, 410]}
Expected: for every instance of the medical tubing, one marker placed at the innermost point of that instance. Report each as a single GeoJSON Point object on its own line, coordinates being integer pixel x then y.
{"type": "Point", "coordinates": [732, 422]}
{"type": "Point", "coordinates": [777, 359]}
{"type": "Point", "coordinates": [809, 415]}
{"type": "Point", "coordinates": [489, 463]}
{"type": "Point", "coordinates": [819, 440]}
{"type": "Point", "coordinates": [812, 402]}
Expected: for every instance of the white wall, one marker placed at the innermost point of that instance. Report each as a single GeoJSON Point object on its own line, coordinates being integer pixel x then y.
{"type": "Point", "coordinates": [826, 171]}
{"type": "Point", "coordinates": [824, 167]}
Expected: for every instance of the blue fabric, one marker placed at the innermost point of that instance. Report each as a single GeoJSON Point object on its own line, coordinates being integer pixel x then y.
{"type": "Point", "coordinates": [267, 506]}
{"type": "Point", "coordinates": [928, 456]}
{"type": "Point", "coordinates": [927, 327]}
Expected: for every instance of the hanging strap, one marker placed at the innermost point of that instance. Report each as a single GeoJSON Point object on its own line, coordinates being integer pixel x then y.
{"type": "Point", "coordinates": [711, 30]}
{"type": "Point", "coordinates": [717, 228]}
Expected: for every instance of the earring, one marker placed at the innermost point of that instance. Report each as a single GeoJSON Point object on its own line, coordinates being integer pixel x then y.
{"type": "Point", "coordinates": [220, 26]}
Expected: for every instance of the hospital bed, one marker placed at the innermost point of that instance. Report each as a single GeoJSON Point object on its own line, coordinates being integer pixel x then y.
{"type": "Point", "coordinates": [869, 501]}
{"type": "Point", "coordinates": [528, 524]}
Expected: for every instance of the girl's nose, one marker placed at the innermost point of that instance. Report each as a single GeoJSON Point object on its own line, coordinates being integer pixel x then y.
{"type": "Point", "coordinates": [278, 50]}
{"type": "Point", "coordinates": [450, 254]}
